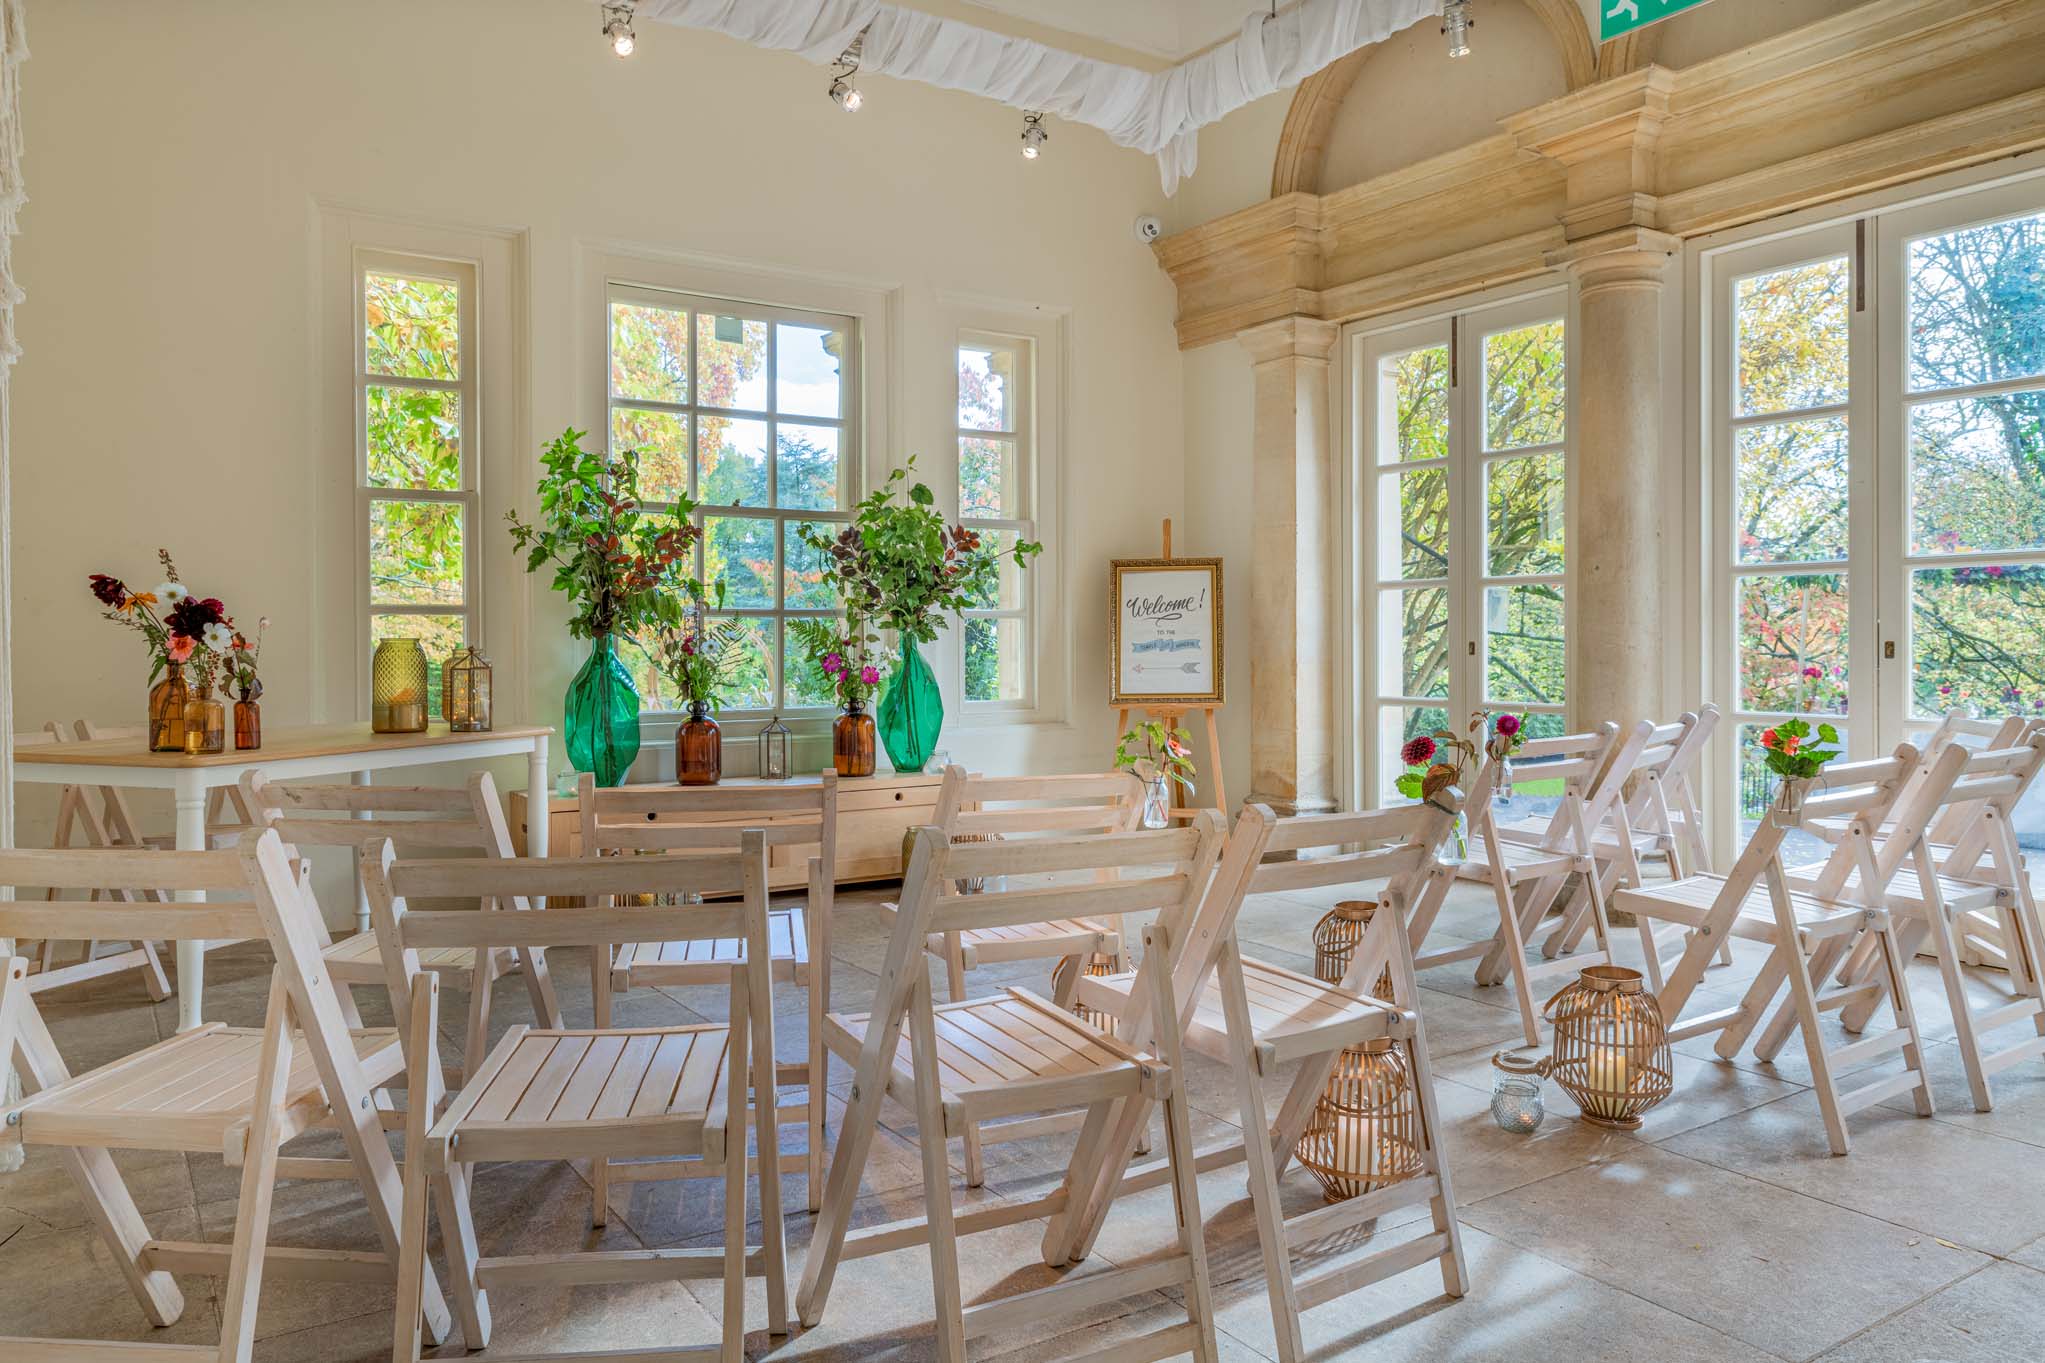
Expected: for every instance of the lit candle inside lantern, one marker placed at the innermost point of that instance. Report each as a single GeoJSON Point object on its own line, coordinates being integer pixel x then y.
{"type": "Point", "coordinates": [1608, 1075]}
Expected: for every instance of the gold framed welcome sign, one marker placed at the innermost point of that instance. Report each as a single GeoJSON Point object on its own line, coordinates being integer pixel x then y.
{"type": "Point", "coordinates": [1165, 632]}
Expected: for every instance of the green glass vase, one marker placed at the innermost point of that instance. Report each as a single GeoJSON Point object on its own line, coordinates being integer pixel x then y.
{"type": "Point", "coordinates": [911, 711]}
{"type": "Point", "coordinates": [601, 722]}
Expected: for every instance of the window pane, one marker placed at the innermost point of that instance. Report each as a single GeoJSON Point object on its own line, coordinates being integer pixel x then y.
{"type": "Point", "coordinates": [806, 370]}
{"type": "Point", "coordinates": [731, 462]}
{"type": "Point", "coordinates": [1396, 725]}
{"type": "Point", "coordinates": [1789, 346]}
{"type": "Point", "coordinates": [1007, 591]}
{"type": "Point", "coordinates": [649, 352]}
{"type": "Point", "coordinates": [1524, 654]}
{"type": "Point", "coordinates": [1792, 494]}
{"type": "Point", "coordinates": [806, 467]}
{"type": "Point", "coordinates": [1414, 395]}
{"type": "Point", "coordinates": [994, 658]}
{"type": "Point", "coordinates": [808, 683]}
{"type": "Point", "coordinates": [415, 553]}
{"type": "Point", "coordinates": [1792, 642]}
{"type": "Point", "coordinates": [1523, 386]}
{"type": "Point", "coordinates": [985, 390]}
{"type": "Point", "coordinates": [751, 686]}
{"type": "Point", "coordinates": [1413, 642]}
{"type": "Point", "coordinates": [438, 635]}
{"type": "Point", "coordinates": [987, 483]}
{"type": "Point", "coordinates": [740, 549]}
{"type": "Point", "coordinates": [655, 692]}
{"type": "Point", "coordinates": [415, 438]}
{"type": "Point", "coordinates": [411, 327]}
{"type": "Point", "coordinates": [1977, 304]}
{"type": "Point", "coordinates": [662, 442]}
{"type": "Point", "coordinates": [1524, 514]}
{"type": "Point", "coordinates": [1413, 523]}
{"type": "Point", "coordinates": [731, 363]}
{"type": "Point", "coordinates": [1977, 638]}
{"type": "Point", "coordinates": [803, 579]}
{"type": "Point", "coordinates": [1977, 474]}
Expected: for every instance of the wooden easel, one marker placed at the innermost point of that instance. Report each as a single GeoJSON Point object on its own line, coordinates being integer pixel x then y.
{"type": "Point", "coordinates": [1169, 716]}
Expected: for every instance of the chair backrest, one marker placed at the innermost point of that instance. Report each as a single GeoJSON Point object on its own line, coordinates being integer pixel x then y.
{"type": "Point", "coordinates": [709, 818]}
{"type": "Point", "coordinates": [1984, 793]}
{"type": "Point", "coordinates": [970, 806]}
{"type": "Point", "coordinates": [417, 818]}
{"type": "Point", "coordinates": [1959, 825]}
{"type": "Point", "coordinates": [391, 884]}
{"type": "Point", "coordinates": [1867, 794]}
{"type": "Point", "coordinates": [1576, 760]}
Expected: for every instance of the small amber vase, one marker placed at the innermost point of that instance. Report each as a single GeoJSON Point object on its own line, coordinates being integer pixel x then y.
{"type": "Point", "coordinates": [699, 748]}
{"type": "Point", "coordinates": [167, 701]}
{"type": "Point", "coordinates": [852, 743]}
{"type": "Point", "coordinates": [205, 724]}
{"type": "Point", "coordinates": [248, 725]}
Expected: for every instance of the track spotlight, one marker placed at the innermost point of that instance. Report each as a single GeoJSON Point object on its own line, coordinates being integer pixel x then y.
{"type": "Point", "coordinates": [1457, 23]}
{"type": "Point", "coordinates": [1033, 135]}
{"type": "Point", "coordinates": [618, 27]}
{"type": "Point", "coordinates": [843, 92]}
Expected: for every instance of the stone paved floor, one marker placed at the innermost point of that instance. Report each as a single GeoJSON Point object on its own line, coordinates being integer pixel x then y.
{"type": "Point", "coordinates": [1722, 1232]}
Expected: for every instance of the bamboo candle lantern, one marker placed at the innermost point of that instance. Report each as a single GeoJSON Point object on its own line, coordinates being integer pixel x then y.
{"type": "Point", "coordinates": [1611, 1046]}
{"type": "Point", "coordinates": [1337, 936]}
{"type": "Point", "coordinates": [1365, 1131]}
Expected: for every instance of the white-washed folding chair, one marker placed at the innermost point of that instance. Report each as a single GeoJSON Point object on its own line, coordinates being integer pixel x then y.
{"type": "Point", "coordinates": [588, 1093]}
{"type": "Point", "coordinates": [78, 826]}
{"type": "Point", "coordinates": [1527, 870]}
{"type": "Point", "coordinates": [1008, 808]}
{"type": "Point", "coordinates": [227, 814]}
{"type": "Point", "coordinates": [1809, 931]}
{"type": "Point", "coordinates": [1258, 1019]}
{"type": "Point", "coordinates": [967, 1060]}
{"type": "Point", "coordinates": [636, 820]}
{"type": "Point", "coordinates": [419, 819]}
{"type": "Point", "coordinates": [239, 1092]}
{"type": "Point", "coordinates": [1940, 889]}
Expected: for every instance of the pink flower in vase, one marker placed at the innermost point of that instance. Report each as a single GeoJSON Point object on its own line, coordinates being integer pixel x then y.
{"type": "Point", "coordinates": [180, 647]}
{"type": "Point", "coordinates": [869, 674]}
{"type": "Point", "coordinates": [1507, 725]}
{"type": "Point", "coordinates": [1418, 749]}
{"type": "Point", "coordinates": [834, 663]}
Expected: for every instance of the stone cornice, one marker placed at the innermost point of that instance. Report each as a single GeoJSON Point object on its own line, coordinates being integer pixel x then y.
{"type": "Point", "coordinates": [1888, 92]}
{"type": "Point", "coordinates": [1290, 338]}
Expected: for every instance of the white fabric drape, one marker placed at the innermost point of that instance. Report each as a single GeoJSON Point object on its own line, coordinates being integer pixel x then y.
{"type": "Point", "coordinates": [1156, 112]}
{"type": "Point", "coordinates": [13, 51]}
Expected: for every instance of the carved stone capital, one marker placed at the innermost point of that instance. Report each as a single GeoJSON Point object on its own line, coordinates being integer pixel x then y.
{"type": "Point", "coordinates": [1290, 338]}
{"type": "Point", "coordinates": [1625, 258]}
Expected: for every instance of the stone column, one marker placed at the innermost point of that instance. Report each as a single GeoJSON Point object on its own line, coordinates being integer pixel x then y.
{"type": "Point", "coordinates": [1617, 636]}
{"type": "Point", "coordinates": [1292, 568]}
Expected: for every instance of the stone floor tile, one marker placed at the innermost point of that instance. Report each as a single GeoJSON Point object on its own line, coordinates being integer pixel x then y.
{"type": "Point", "coordinates": [1989, 1317]}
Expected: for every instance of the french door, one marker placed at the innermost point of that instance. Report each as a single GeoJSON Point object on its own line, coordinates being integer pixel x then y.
{"type": "Point", "coordinates": [1464, 456]}
{"type": "Point", "coordinates": [1878, 430]}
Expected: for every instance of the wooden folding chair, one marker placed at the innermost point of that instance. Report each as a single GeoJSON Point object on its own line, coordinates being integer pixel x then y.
{"type": "Point", "coordinates": [79, 825]}
{"type": "Point", "coordinates": [598, 1093]}
{"type": "Point", "coordinates": [1809, 931]}
{"type": "Point", "coordinates": [236, 1091]}
{"type": "Point", "coordinates": [632, 820]}
{"type": "Point", "coordinates": [1006, 808]}
{"type": "Point", "coordinates": [970, 1059]}
{"type": "Point", "coordinates": [418, 819]}
{"type": "Point", "coordinates": [227, 814]}
{"type": "Point", "coordinates": [1258, 1019]}
{"type": "Point", "coordinates": [1527, 871]}
{"type": "Point", "coordinates": [1943, 888]}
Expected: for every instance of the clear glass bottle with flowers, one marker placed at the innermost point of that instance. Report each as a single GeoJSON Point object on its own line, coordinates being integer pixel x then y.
{"type": "Point", "coordinates": [1158, 754]}
{"type": "Point", "coordinates": [1508, 733]}
{"type": "Point", "coordinates": [699, 658]}
{"type": "Point", "coordinates": [843, 651]}
{"type": "Point", "coordinates": [1795, 755]}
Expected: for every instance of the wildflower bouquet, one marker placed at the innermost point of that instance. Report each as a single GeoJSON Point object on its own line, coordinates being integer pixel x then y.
{"type": "Point", "coordinates": [700, 658]}
{"type": "Point", "coordinates": [1437, 761]}
{"type": "Point", "coordinates": [1163, 754]}
{"type": "Point", "coordinates": [192, 631]}
{"type": "Point", "coordinates": [844, 653]}
{"type": "Point", "coordinates": [1792, 754]}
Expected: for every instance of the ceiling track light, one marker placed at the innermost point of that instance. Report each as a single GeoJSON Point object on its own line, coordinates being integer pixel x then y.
{"type": "Point", "coordinates": [1456, 23]}
{"type": "Point", "coordinates": [618, 27]}
{"type": "Point", "coordinates": [843, 92]}
{"type": "Point", "coordinates": [1033, 135]}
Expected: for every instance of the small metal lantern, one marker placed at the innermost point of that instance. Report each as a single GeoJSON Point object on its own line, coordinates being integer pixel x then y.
{"type": "Point", "coordinates": [1336, 938]}
{"type": "Point", "coordinates": [1516, 1102]}
{"type": "Point", "coordinates": [465, 691]}
{"type": "Point", "coordinates": [774, 750]}
{"type": "Point", "coordinates": [1611, 1047]}
{"type": "Point", "coordinates": [1365, 1131]}
{"type": "Point", "coordinates": [397, 687]}
{"type": "Point", "coordinates": [1098, 967]}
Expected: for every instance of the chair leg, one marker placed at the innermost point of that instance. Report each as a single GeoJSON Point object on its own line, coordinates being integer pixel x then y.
{"type": "Point", "coordinates": [450, 1189]}
{"type": "Point", "coordinates": [1266, 1205]}
{"type": "Point", "coordinates": [1755, 1003]}
{"type": "Point", "coordinates": [1906, 1018]}
{"type": "Point", "coordinates": [1179, 1155]}
{"type": "Point", "coordinates": [539, 987]}
{"type": "Point", "coordinates": [841, 1189]}
{"type": "Point", "coordinates": [1948, 949]}
{"type": "Point", "coordinates": [476, 1045]}
{"type": "Point", "coordinates": [819, 1054]}
{"type": "Point", "coordinates": [767, 1134]}
{"type": "Point", "coordinates": [1516, 963]}
{"type": "Point", "coordinates": [733, 1348]}
{"type": "Point", "coordinates": [238, 1295]}
{"type": "Point", "coordinates": [1776, 1034]}
{"type": "Point", "coordinates": [955, 984]}
{"type": "Point", "coordinates": [930, 1138]}
{"type": "Point", "coordinates": [600, 1005]}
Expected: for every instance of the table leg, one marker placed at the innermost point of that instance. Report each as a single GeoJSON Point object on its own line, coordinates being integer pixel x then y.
{"type": "Point", "coordinates": [191, 955]}
{"type": "Point", "coordinates": [360, 778]}
{"type": "Point", "coordinates": [537, 813]}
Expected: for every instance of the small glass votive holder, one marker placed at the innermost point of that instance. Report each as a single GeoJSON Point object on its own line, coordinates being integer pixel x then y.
{"type": "Point", "coordinates": [1516, 1103]}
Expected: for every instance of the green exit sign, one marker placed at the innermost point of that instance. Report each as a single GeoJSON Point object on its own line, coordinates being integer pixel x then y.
{"type": "Point", "coordinates": [1623, 16]}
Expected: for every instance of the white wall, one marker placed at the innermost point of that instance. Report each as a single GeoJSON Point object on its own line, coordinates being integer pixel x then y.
{"type": "Point", "coordinates": [169, 389]}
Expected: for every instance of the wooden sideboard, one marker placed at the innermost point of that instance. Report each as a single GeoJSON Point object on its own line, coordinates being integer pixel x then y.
{"type": "Point", "coordinates": [873, 814]}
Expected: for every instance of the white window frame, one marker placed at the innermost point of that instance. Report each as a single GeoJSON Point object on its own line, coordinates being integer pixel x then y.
{"type": "Point", "coordinates": [1878, 228]}
{"type": "Point", "coordinates": [1463, 332]}
{"type": "Point", "coordinates": [468, 389]}
{"type": "Point", "coordinates": [1021, 382]}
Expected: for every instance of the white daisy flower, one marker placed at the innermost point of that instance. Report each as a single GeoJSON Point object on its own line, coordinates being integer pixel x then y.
{"type": "Point", "coordinates": [219, 637]}
{"type": "Point", "coordinates": [170, 593]}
